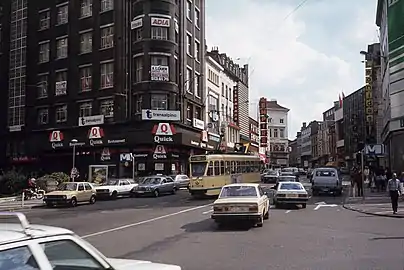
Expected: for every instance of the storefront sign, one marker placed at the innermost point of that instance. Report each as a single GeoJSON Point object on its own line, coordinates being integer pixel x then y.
{"type": "Point", "coordinates": [91, 120]}
{"type": "Point", "coordinates": [214, 138]}
{"type": "Point", "coordinates": [119, 141]}
{"type": "Point", "coordinates": [161, 115]}
{"type": "Point", "coordinates": [136, 23]}
{"type": "Point", "coordinates": [204, 136]}
{"type": "Point", "coordinates": [126, 157]}
{"type": "Point", "coordinates": [199, 124]}
{"type": "Point", "coordinates": [56, 138]}
{"type": "Point", "coordinates": [96, 133]}
{"type": "Point", "coordinates": [77, 144]}
{"type": "Point", "coordinates": [162, 22]}
{"type": "Point", "coordinates": [160, 152]}
{"type": "Point", "coordinates": [105, 155]}
{"type": "Point", "coordinates": [160, 73]}
{"type": "Point", "coordinates": [163, 129]}
{"type": "Point", "coordinates": [96, 142]}
{"type": "Point", "coordinates": [163, 139]}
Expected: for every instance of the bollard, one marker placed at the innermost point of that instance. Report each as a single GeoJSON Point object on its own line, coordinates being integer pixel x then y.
{"type": "Point", "coordinates": [22, 199]}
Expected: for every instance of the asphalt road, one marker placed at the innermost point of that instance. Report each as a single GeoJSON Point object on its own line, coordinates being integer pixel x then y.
{"type": "Point", "coordinates": [176, 229]}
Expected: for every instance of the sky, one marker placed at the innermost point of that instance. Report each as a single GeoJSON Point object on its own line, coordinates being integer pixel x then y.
{"type": "Point", "coordinates": [304, 59]}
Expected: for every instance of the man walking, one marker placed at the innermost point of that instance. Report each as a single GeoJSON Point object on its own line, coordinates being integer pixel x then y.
{"type": "Point", "coordinates": [394, 188]}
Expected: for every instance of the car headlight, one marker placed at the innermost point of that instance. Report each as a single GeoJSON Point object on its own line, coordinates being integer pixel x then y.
{"type": "Point", "coordinates": [148, 188]}
{"type": "Point", "coordinates": [45, 197]}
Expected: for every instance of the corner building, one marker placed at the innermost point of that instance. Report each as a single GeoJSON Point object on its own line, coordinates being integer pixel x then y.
{"type": "Point", "coordinates": [118, 82]}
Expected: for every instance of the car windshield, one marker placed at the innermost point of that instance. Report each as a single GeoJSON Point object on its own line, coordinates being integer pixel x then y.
{"type": "Point", "coordinates": [111, 182]}
{"type": "Point", "coordinates": [238, 191]}
{"type": "Point", "coordinates": [198, 169]}
{"type": "Point", "coordinates": [291, 186]}
{"type": "Point", "coordinates": [286, 179]}
{"type": "Point", "coordinates": [272, 172]}
{"type": "Point", "coordinates": [325, 173]}
{"type": "Point", "coordinates": [68, 186]}
{"type": "Point", "coordinates": [151, 181]}
{"type": "Point", "coordinates": [287, 170]}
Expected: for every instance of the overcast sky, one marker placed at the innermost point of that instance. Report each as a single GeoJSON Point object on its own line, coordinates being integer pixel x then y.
{"type": "Point", "coordinates": [304, 61]}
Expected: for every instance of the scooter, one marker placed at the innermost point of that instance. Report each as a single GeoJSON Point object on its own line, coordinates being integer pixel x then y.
{"type": "Point", "coordinates": [36, 193]}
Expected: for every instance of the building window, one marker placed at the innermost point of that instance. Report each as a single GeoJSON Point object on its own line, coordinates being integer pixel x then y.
{"type": "Point", "coordinates": [86, 8]}
{"type": "Point", "coordinates": [85, 79]}
{"type": "Point", "coordinates": [281, 120]}
{"type": "Point", "coordinates": [197, 18]}
{"type": "Point", "coordinates": [43, 116]}
{"type": "Point", "coordinates": [159, 32]}
{"type": "Point", "coordinates": [138, 34]}
{"type": "Point", "coordinates": [61, 83]}
{"type": "Point", "coordinates": [107, 5]}
{"type": "Point", "coordinates": [230, 94]}
{"type": "Point", "coordinates": [197, 85]}
{"type": "Point", "coordinates": [44, 52]}
{"type": "Point", "coordinates": [197, 50]}
{"type": "Point", "coordinates": [85, 109]}
{"type": "Point", "coordinates": [107, 75]}
{"type": "Point", "coordinates": [107, 37]}
{"type": "Point", "coordinates": [189, 47]}
{"type": "Point", "coordinates": [138, 69]}
{"type": "Point", "coordinates": [159, 60]}
{"type": "Point", "coordinates": [189, 9]}
{"type": "Point", "coordinates": [281, 133]}
{"type": "Point", "coordinates": [63, 14]}
{"type": "Point", "coordinates": [190, 112]}
{"type": "Point", "coordinates": [61, 114]}
{"type": "Point", "coordinates": [188, 80]}
{"type": "Point", "coordinates": [61, 48]}
{"type": "Point", "coordinates": [86, 42]}
{"type": "Point", "coordinates": [159, 102]}
{"type": "Point", "coordinates": [198, 113]}
{"type": "Point", "coordinates": [42, 86]}
{"type": "Point", "coordinates": [139, 104]}
{"type": "Point", "coordinates": [44, 20]}
{"type": "Point", "coordinates": [275, 133]}
{"type": "Point", "coordinates": [226, 92]}
{"type": "Point", "coordinates": [222, 89]}
{"type": "Point", "coordinates": [107, 108]}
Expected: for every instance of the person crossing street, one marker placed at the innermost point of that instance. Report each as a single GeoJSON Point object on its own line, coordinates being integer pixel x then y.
{"type": "Point", "coordinates": [395, 190]}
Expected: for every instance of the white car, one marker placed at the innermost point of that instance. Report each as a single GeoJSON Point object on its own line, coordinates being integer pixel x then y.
{"type": "Point", "coordinates": [290, 193]}
{"type": "Point", "coordinates": [25, 246]}
{"type": "Point", "coordinates": [180, 180]}
{"type": "Point", "coordinates": [241, 202]}
{"type": "Point", "coordinates": [115, 187]}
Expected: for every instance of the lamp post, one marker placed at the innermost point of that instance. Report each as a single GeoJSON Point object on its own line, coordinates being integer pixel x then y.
{"type": "Point", "coordinates": [73, 142]}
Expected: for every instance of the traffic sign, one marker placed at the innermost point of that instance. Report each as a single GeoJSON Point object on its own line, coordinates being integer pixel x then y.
{"type": "Point", "coordinates": [163, 129]}
{"type": "Point", "coordinates": [160, 149]}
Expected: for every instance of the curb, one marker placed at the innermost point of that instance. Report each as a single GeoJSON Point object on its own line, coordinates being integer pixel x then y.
{"type": "Point", "coordinates": [14, 209]}
{"type": "Point", "coordinates": [370, 213]}
{"type": "Point", "coordinates": [8, 199]}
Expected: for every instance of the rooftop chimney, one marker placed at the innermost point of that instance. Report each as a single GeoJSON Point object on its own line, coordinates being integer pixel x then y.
{"type": "Point", "coordinates": [304, 124]}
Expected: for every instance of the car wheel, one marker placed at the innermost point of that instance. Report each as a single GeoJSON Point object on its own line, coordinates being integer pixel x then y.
{"type": "Point", "coordinates": [261, 222]}
{"type": "Point", "coordinates": [114, 195]}
{"type": "Point", "coordinates": [73, 202]}
{"type": "Point", "coordinates": [92, 200]}
{"type": "Point", "coordinates": [156, 193]}
{"type": "Point", "coordinates": [304, 205]}
{"type": "Point", "coordinates": [266, 216]}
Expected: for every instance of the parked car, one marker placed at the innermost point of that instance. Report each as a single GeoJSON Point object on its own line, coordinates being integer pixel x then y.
{"type": "Point", "coordinates": [154, 185]}
{"type": "Point", "coordinates": [290, 193]}
{"type": "Point", "coordinates": [327, 180]}
{"type": "Point", "coordinates": [114, 188]}
{"type": "Point", "coordinates": [71, 193]}
{"type": "Point", "coordinates": [180, 180]}
{"type": "Point", "coordinates": [241, 202]}
{"type": "Point", "coordinates": [26, 246]}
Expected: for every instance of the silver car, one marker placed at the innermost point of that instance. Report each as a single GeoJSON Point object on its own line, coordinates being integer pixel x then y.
{"type": "Point", "coordinates": [180, 180]}
{"type": "Point", "coordinates": [154, 185]}
{"type": "Point", "coordinates": [326, 180]}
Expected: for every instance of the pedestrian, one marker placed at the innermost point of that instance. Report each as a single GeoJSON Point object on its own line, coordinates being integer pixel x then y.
{"type": "Point", "coordinates": [359, 183]}
{"type": "Point", "coordinates": [394, 188]}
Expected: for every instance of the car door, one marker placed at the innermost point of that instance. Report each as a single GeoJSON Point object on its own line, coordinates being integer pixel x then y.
{"type": "Point", "coordinates": [89, 189]}
{"type": "Point", "coordinates": [82, 195]}
{"type": "Point", "coordinates": [263, 200]}
{"type": "Point", "coordinates": [163, 185]}
{"type": "Point", "coordinates": [170, 184]}
{"type": "Point", "coordinates": [125, 186]}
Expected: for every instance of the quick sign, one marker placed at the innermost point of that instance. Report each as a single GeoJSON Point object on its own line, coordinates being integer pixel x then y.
{"type": "Point", "coordinates": [160, 152]}
{"type": "Point", "coordinates": [56, 138]}
{"type": "Point", "coordinates": [160, 22]}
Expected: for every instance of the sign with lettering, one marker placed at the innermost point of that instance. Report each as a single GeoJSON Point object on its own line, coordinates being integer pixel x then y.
{"type": "Point", "coordinates": [162, 22]}
{"type": "Point", "coordinates": [56, 138]}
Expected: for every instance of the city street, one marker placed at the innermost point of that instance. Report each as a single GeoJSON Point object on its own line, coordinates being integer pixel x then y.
{"type": "Point", "coordinates": [176, 229]}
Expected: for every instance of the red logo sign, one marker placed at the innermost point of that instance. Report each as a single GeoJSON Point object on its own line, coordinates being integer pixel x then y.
{"type": "Point", "coordinates": [56, 136]}
{"type": "Point", "coordinates": [96, 133]}
{"type": "Point", "coordinates": [163, 129]}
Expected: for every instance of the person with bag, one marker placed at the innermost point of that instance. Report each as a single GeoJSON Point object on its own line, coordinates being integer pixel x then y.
{"type": "Point", "coordinates": [395, 190]}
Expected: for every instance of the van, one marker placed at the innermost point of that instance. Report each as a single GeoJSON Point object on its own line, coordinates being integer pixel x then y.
{"type": "Point", "coordinates": [326, 180]}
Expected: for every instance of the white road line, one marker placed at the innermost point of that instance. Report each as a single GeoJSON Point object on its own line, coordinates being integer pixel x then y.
{"type": "Point", "coordinates": [288, 211]}
{"type": "Point", "coordinates": [207, 212]}
{"type": "Point", "coordinates": [145, 221]}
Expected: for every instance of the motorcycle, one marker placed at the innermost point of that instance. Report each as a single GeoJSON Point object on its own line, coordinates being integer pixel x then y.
{"type": "Point", "coordinates": [36, 193]}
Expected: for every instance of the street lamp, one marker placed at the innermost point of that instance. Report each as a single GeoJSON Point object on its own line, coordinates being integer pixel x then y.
{"type": "Point", "coordinates": [73, 142]}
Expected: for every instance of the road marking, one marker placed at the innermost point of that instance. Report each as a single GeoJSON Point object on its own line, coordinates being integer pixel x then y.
{"type": "Point", "coordinates": [324, 205]}
{"type": "Point", "coordinates": [207, 212]}
{"type": "Point", "coordinates": [320, 203]}
{"type": "Point", "coordinates": [145, 221]}
{"type": "Point", "coordinates": [288, 211]}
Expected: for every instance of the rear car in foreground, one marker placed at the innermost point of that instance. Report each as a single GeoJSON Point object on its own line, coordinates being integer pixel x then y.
{"type": "Point", "coordinates": [287, 193]}
{"type": "Point", "coordinates": [241, 202]}
{"type": "Point", "coordinates": [326, 180]}
{"type": "Point", "coordinates": [26, 246]}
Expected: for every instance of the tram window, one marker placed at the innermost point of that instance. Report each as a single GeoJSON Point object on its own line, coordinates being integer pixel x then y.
{"type": "Point", "coordinates": [210, 169]}
{"type": "Point", "coordinates": [217, 168]}
{"type": "Point", "coordinates": [248, 167]}
{"type": "Point", "coordinates": [222, 168]}
{"type": "Point", "coordinates": [233, 167]}
{"type": "Point", "coordinates": [256, 166]}
{"type": "Point", "coordinates": [228, 168]}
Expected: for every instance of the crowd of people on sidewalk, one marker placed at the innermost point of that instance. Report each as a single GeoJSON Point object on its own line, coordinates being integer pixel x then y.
{"type": "Point", "coordinates": [378, 180]}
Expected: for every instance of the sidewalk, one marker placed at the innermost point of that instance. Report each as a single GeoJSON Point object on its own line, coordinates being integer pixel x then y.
{"type": "Point", "coordinates": [376, 204]}
{"type": "Point", "coordinates": [13, 205]}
